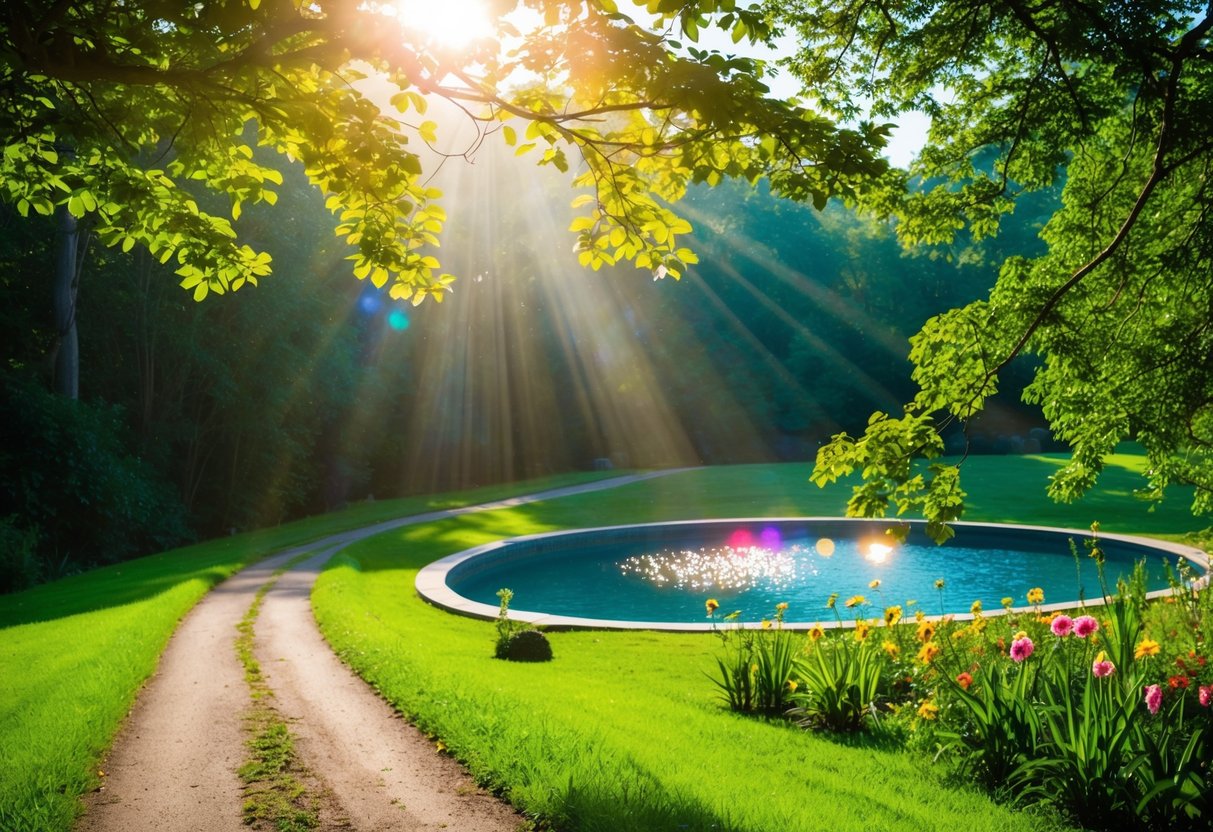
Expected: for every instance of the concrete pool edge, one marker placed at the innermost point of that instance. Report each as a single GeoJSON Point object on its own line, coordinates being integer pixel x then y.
{"type": "Point", "coordinates": [431, 585]}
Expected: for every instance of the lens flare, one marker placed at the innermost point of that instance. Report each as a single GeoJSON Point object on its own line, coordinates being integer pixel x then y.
{"type": "Point", "coordinates": [825, 547]}
{"type": "Point", "coordinates": [397, 320]}
{"type": "Point", "coordinates": [878, 552]}
{"type": "Point", "coordinates": [452, 23]}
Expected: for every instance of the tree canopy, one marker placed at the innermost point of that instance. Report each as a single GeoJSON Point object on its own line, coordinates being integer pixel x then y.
{"type": "Point", "coordinates": [124, 112]}
{"type": "Point", "coordinates": [1115, 101]}
{"type": "Point", "coordinates": [142, 119]}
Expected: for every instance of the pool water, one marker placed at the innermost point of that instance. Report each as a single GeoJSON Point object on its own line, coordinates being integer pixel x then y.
{"type": "Point", "coordinates": [665, 572]}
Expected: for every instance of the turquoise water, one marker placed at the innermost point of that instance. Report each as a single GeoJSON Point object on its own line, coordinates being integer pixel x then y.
{"type": "Point", "coordinates": [666, 573]}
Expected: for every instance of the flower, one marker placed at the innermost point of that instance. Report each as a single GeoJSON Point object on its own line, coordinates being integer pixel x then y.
{"type": "Point", "coordinates": [891, 648]}
{"type": "Point", "coordinates": [711, 605]}
{"type": "Point", "coordinates": [919, 615]}
{"type": "Point", "coordinates": [1101, 667]}
{"type": "Point", "coordinates": [1177, 682]}
{"type": "Point", "coordinates": [1153, 697]}
{"type": "Point", "coordinates": [1147, 647]}
{"type": "Point", "coordinates": [964, 680]}
{"type": "Point", "coordinates": [939, 583]}
{"type": "Point", "coordinates": [830, 601]}
{"type": "Point", "coordinates": [1036, 595]}
{"type": "Point", "coordinates": [929, 652]}
{"type": "Point", "coordinates": [891, 616]}
{"type": "Point", "coordinates": [782, 606]}
{"type": "Point", "coordinates": [766, 625]}
{"type": "Point", "coordinates": [862, 629]}
{"type": "Point", "coordinates": [1206, 695]}
{"type": "Point", "coordinates": [855, 601]}
{"type": "Point", "coordinates": [975, 608]}
{"type": "Point", "coordinates": [928, 709]}
{"type": "Point", "coordinates": [1008, 602]}
{"type": "Point", "coordinates": [925, 631]}
{"type": "Point", "coordinates": [1062, 626]}
{"type": "Point", "coordinates": [1019, 635]}
{"type": "Point", "coordinates": [816, 632]}
{"type": "Point", "coordinates": [874, 584]}
{"type": "Point", "coordinates": [1021, 648]}
{"type": "Point", "coordinates": [1084, 625]}
{"type": "Point", "coordinates": [792, 685]}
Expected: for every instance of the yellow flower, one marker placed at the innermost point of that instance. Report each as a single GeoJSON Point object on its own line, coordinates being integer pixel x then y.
{"type": "Point", "coordinates": [874, 584]}
{"type": "Point", "coordinates": [1008, 602]}
{"type": "Point", "coordinates": [939, 583]}
{"type": "Point", "coordinates": [1036, 595]}
{"type": "Point", "coordinates": [862, 629]}
{"type": "Point", "coordinates": [928, 710]}
{"type": "Point", "coordinates": [919, 615]}
{"type": "Point", "coordinates": [766, 625]}
{"type": "Point", "coordinates": [926, 631]}
{"type": "Point", "coordinates": [855, 601]}
{"type": "Point", "coordinates": [1147, 647]}
{"type": "Point", "coordinates": [782, 606]}
{"type": "Point", "coordinates": [1019, 635]}
{"type": "Point", "coordinates": [929, 652]}
{"type": "Point", "coordinates": [816, 632]}
{"type": "Point", "coordinates": [975, 609]}
{"type": "Point", "coordinates": [792, 685]}
{"type": "Point", "coordinates": [891, 616]}
{"type": "Point", "coordinates": [891, 648]}
{"type": "Point", "coordinates": [830, 601]}
{"type": "Point", "coordinates": [711, 605]}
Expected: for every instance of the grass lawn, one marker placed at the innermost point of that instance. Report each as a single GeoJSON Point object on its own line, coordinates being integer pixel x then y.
{"type": "Point", "coordinates": [623, 730]}
{"type": "Point", "coordinates": [74, 653]}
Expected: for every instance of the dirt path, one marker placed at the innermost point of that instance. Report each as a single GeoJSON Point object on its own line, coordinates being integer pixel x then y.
{"type": "Point", "coordinates": [173, 765]}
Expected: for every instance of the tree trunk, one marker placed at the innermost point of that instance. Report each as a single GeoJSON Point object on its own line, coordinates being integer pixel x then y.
{"type": "Point", "coordinates": [67, 350]}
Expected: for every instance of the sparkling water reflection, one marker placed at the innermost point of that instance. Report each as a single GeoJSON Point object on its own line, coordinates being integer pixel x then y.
{"type": "Point", "coordinates": [664, 573]}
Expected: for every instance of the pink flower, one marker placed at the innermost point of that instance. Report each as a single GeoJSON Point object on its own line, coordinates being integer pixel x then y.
{"type": "Point", "coordinates": [1103, 668]}
{"type": "Point", "coordinates": [1021, 648]}
{"type": "Point", "coordinates": [1062, 625]}
{"type": "Point", "coordinates": [1206, 695]}
{"type": "Point", "coordinates": [1153, 698]}
{"type": "Point", "coordinates": [1084, 625]}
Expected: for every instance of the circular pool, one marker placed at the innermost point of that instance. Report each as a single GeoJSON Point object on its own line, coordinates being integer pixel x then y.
{"type": "Point", "coordinates": [659, 575]}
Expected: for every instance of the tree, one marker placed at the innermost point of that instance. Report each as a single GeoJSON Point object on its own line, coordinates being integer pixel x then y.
{"type": "Point", "coordinates": [122, 113]}
{"type": "Point", "coordinates": [1113, 100]}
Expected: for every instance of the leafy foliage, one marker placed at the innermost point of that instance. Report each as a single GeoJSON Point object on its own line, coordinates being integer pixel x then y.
{"type": "Point", "coordinates": [119, 115]}
{"type": "Point", "coordinates": [1107, 100]}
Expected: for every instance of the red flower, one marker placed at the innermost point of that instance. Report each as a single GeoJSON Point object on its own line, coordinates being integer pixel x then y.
{"type": "Point", "coordinates": [1179, 682]}
{"type": "Point", "coordinates": [964, 680]}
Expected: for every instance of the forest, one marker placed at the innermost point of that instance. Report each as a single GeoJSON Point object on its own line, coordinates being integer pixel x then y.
{"type": "Point", "coordinates": [315, 389]}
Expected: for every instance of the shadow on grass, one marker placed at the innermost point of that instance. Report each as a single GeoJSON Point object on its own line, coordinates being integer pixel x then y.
{"type": "Point", "coordinates": [636, 802]}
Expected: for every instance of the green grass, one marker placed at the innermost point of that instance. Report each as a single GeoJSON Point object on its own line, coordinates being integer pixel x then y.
{"type": "Point", "coordinates": [623, 730]}
{"type": "Point", "coordinates": [74, 653]}
{"type": "Point", "coordinates": [274, 795]}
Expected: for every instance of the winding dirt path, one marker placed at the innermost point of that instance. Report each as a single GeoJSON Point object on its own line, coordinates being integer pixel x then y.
{"type": "Point", "coordinates": [173, 765]}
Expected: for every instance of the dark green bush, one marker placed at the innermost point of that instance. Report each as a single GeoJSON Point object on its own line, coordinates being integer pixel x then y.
{"type": "Point", "coordinates": [528, 646]}
{"type": "Point", "coordinates": [67, 468]}
{"type": "Point", "coordinates": [19, 563]}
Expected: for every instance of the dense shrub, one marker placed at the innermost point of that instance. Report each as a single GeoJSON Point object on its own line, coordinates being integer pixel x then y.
{"type": "Point", "coordinates": [528, 646]}
{"type": "Point", "coordinates": [19, 564]}
{"type": "Point", "coordinates": [66, 468]}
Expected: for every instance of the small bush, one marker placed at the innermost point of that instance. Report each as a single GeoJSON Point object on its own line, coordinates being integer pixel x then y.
{"type": "Point", "coordinates": [528, 646]}
{"type": "Point", "coordinates": [518, 642]}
